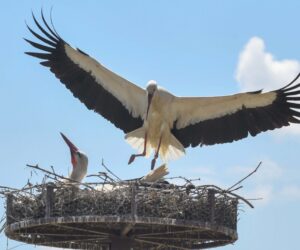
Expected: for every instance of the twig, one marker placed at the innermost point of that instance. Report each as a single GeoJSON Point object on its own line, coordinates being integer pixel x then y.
{"type": "Point", "coordinates": [183, 178]}
{"type": "Point", "coordinates": [109, 171]}
{"type": "Point", "coordinates": [57, 175]}
{"type": "Point", "coordinates": [15, 190]}
{"type": "Point", "coordinates": [240, 198]}
{"type": "Point", "coordinates": [239, 187]}
{"type": "Point", "coordinates": [9, 190]}
{"type": "Point", "coordinates": [97, 175]}
{"type": "Point", "coordinates": [103, 174]}
{"type": "Point", "coordinates": [52, 169]}
{"type": "Point", "coordinates": [222, 191]}
{"type": "Point", "coordinates": [229, 189]}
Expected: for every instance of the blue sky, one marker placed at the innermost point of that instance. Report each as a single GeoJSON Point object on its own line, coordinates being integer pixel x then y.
{"type": "Point", "coordinates": [203, 48]}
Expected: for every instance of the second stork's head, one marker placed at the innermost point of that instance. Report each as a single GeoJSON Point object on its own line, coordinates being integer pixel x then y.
{"type": "Point", "coordinates": [79, 159]}
{"type": "Point", "coordinates": [151, 89]}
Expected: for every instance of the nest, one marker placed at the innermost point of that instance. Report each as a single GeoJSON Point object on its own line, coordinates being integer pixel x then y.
{"type": "Point", "coordinates": [122, 215]}
{"type": "Point", "coordinates": [149, 214]}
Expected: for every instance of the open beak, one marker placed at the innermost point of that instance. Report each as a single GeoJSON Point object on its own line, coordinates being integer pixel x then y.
{"type": "Point", "coordinates": [73, 149]}
{"type": "Point", "coordinates": [149, 103]}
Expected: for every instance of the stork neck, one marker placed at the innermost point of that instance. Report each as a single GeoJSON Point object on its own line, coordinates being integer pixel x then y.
{"type": "Point", "coordinates": [150, 97]}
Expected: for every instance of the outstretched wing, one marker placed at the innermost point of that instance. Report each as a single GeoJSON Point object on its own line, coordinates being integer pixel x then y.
{"type": "Point", "coordinates": [212, 120]}
{"type": "Point", "coordinates": [118, 100]}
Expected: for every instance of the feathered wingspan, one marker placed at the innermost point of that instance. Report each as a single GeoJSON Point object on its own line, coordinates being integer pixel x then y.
{"type": "Point", "coordinates": [212, 120]}
{"type": "Point", "coordinates": [115, 98]}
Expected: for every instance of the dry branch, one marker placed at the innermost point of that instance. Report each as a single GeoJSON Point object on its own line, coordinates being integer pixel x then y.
{"type": "Point", "coordinates": [57, 176]}
{"type": "Point", "coordinates": [240, 181]}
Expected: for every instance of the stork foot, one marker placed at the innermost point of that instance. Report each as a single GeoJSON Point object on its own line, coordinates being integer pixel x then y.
{"type": "Point", "coordinates": [131, 159]}
{"type": "Point", "coordinates": [153, 163]}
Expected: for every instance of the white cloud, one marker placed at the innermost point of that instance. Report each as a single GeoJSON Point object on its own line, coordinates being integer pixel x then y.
{"type": "Point", "coordinates": [259, 69]}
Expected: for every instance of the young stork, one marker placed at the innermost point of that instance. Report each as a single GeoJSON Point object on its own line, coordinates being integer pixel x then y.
{"type": "Point", "coordinates": [154, 119]}
{"type": "Point", "coordinates": [79, 161]}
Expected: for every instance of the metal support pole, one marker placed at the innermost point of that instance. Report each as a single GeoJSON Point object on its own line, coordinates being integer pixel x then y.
{"type": "Point", "coordinates": [235, 204]}
{"type": "Point", "coordinates": [129, 226]}
{"type": "Point", "coordinates": [9, 209]}
{"type": "Point", "coordinates": [49, 201]}
{"type": "Point", "coordinates": [212, 205]}
{"type": "Point", "coordinates": [133, 202]}
{"type": "Point", "coordinates": [119, 243]}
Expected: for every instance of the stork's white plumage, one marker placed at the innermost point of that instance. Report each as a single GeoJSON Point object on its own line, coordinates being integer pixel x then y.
{"type": "Point", "coordinates": [79, 161]}
{"type": "Point", "coordinates": [153, 118]}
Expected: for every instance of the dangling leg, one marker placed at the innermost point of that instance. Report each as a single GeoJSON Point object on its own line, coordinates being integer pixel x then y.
{"type": "Point", "coordinates": [156, 154]}
{"type": "Point", "coordinates": [132, 157]}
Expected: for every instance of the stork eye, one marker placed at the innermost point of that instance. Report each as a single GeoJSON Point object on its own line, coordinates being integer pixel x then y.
{"type": "Point", "coordinates": [79, 154]}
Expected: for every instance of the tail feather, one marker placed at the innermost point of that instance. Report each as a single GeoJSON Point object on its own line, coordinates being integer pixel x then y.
{"type": "Point", "coordinates": [136, 139]}
{"type": "Point", "coordinates": [156, 174]}
{"type": "Point", "coordinates": [173, 150]}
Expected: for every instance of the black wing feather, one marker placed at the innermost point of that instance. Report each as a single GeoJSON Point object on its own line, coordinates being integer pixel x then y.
{"type": "Point", "coordinates": [81, 83]}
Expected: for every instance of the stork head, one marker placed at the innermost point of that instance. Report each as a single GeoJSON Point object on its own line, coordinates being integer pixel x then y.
{"type": "Point", "coordinates": [151, 87]}
{"type": "Point", "coordinates": [78, 158]}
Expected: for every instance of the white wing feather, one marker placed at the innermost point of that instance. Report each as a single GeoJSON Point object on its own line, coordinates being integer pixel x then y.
{"type": "Point", "coordinates": [191, 110]}
{"type": "Point", "coordinates": [129, 94]}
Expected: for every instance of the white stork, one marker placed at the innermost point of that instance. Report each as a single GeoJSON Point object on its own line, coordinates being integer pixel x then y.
{"type": "Point", "coordinates": [153, 118]}
{"type": "Point", "coordinates": [79, 161]}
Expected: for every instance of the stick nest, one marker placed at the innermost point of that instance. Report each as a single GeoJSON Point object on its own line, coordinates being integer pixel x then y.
{"type": "Point", "coordinates": [157, 215]}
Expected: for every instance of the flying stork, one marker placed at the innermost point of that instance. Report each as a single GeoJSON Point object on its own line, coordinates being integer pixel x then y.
{"type": "Point", "coordinates": [153, 118]}
{"type": "Point", "coordinates": [79, 161]}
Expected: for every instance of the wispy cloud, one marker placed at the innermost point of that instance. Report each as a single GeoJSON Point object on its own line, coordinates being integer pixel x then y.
{"type": "Point", "coordinates": [207, 171]}
{"type": "Point", "coordinates": [269, 183]}
{"type": "Point", "coordinates": [207, 175]}
{"type": "Point", "coordinates": [265, 192]}
{"type": "Point", "coordinates": [268, 172]}
{"type": "Point", "coordinates": [261, 184]}
{"type": "Point", "coordinates": [291, 192]}
{"type": "Point", "coordinates": [259, 69]}
{"type": "Point", "coordinates": [264, 184]}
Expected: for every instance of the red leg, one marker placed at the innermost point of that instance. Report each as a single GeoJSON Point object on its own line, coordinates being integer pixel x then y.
{"type": "Point", "coordinates": [156, 154]}
{"type": "Point", "coordinates": [132, 157]}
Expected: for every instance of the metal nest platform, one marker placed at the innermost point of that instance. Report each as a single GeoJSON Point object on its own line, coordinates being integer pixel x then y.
{"type": "Point", "coordinates": [123, 215]}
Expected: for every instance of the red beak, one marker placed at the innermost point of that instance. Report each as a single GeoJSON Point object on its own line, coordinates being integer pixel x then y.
{"type": "Point", "coordinates": [73, 149]}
